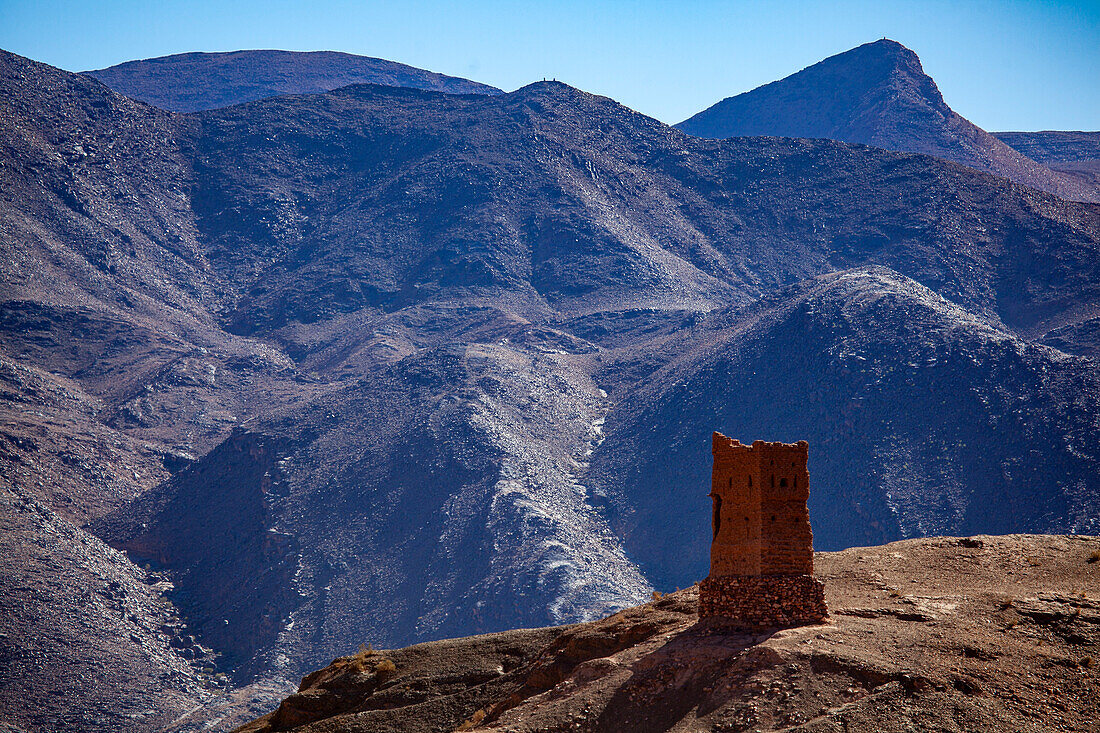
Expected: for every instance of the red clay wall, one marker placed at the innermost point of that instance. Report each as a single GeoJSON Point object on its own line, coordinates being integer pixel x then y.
{"type": "Point", "coordinates": [763, 524]}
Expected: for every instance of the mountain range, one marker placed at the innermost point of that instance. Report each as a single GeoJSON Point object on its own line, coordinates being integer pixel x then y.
{"type": "Point", "coordinates": [386, 364]}
{"type": "Point", "coordinates": [1075, 154]}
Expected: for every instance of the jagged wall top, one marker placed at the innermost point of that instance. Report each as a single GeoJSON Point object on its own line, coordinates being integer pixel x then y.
{"type": "Point", "coordinates": [760, 518]}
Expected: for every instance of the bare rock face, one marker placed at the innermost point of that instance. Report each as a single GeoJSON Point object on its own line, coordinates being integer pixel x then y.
{"type": "Point", "coordinates": [762, 554]}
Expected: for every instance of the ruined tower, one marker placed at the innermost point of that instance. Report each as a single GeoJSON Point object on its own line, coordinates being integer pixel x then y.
{"type": "Point", "coordinates": [761, 554]}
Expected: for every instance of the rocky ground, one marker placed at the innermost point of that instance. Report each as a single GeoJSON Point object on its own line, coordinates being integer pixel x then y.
{"type": "Point", "coordinates": [985, 633]}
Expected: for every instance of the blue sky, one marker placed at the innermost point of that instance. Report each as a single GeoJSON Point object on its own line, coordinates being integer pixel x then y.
{"type": "Point", "coordinates": [1007, 65]}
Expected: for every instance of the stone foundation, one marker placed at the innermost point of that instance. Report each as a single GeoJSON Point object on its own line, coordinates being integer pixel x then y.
{"type": "Point", "coordinates": [763, 601]}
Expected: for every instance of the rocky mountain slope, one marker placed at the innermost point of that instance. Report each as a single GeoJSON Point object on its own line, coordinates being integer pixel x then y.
{"type": "Point", "coordinates": [978, 634]}
{"type": "Point", "coordinates": [360, 366]}
{"type": "Point", "coordinates": [828, 361]}
{"type": "Point", "coordinates": [556, 201]}
{"type": "Point", "coordinates": [88, 640]}
{"type": "Point", "coordinates": [877, 94]}
{"type": "Point", "coordinates": [189, 82]}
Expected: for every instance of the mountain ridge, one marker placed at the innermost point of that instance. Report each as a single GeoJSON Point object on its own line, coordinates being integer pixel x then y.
{"type": "Point", "coordinates": [190, 82]}
{"type": "Point", "coordinates": [876, 94]}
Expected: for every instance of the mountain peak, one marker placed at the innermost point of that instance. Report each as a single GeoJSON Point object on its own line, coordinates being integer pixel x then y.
{"type": "Point", "coordinates": [547, 86]}
{"type": "Point", "coordinates": [830, 99]}
{"type": "Point", "coordinates": [884, 54]}
{"type": "Point", "coordinates": [875, 94]}
{"type": "Point", "coordinates": [887, 45]}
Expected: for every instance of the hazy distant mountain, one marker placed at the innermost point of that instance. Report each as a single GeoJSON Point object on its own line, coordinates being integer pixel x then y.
{"type": "Point", "coordinates": [876, 94]}
{"type": "Point", "coordinates": [1075, 154]}
{"type": "Point", "coordinates": [188, 82]}
{"type": "Point", "coordinates": [357, 367]}
{"type": "Point", "coordinates": [1055, 146]}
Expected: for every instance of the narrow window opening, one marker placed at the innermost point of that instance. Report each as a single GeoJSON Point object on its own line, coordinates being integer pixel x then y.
{"type": "Point", "coordinates": [773, 480]}
{"type": "Point", "coordinates": [782, 483]}
{"type": "Point", "coordinates": [716, 519]}
{"type": "Point", "coordinates": [750, 482]}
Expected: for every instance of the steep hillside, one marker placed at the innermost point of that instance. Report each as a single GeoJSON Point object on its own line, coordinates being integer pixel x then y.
{"type": "Point", "coordinates": [556, 201]}
{"type": "Point", "coordinates": [979, 634]}
{"type": "Point", "coordinates": [95, 199]}
{"type": "Point", "coordinates": [906, 400]}
{"type": "Point", "coordinates": [876, 94]}
{"type": "Point", "coordinates": [189, 82]}
{"type": "Point", "coordinates": [114, 375]}
{"type": "Point", "coordinates": [87, 640]}
{"type": "Point", "coordinates": [434, 496]}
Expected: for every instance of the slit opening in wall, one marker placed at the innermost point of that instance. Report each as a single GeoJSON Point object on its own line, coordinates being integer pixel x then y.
{"type": "Point", "coordinates": [716, 520]}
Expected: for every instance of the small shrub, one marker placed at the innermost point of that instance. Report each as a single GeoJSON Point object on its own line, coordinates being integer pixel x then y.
{"type": "Point", "coordinates": [475, 719]}
{"type": "Point", "coordinates": [1094, 557]}
{"type": "Point", "coordinates": [359, 659]}
{"type": "Point", "coordinates": [385, 665]}
{"type": "Point", "coordinates": [1087, 662]}
{"type": "Point", "coordinates": [657, 595]}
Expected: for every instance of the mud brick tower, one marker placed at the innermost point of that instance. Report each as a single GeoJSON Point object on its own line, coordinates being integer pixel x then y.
{"type": "Point", "coordinates": [762, 555]}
